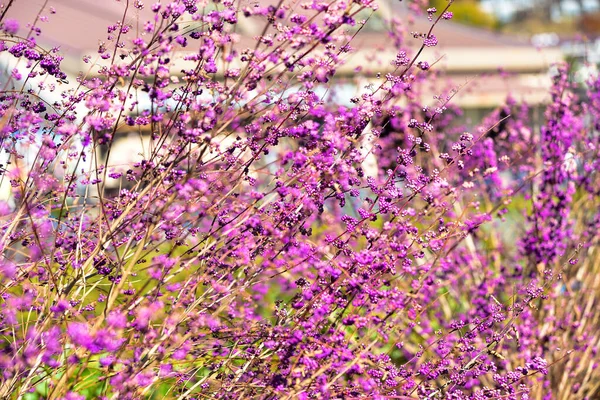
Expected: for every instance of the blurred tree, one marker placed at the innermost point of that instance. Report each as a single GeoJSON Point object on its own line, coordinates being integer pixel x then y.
{"type": "Point", "coordinates": [560, 16]}
{"type": "Point", "coordinates": [468, 12]}
{"type": "Point", "coordinates": [590, 23]}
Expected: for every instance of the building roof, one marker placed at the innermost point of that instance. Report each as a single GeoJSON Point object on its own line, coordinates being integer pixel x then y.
{"type": "Point", "coordinates": [79, 25]}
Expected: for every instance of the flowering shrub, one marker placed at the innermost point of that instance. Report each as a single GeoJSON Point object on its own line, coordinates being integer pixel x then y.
{"type": "Point", "coordinates": [274, 243]}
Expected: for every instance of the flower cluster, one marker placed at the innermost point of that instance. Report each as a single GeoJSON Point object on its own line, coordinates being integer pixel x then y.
{"type": "Point", "coordinates": [203, 216]}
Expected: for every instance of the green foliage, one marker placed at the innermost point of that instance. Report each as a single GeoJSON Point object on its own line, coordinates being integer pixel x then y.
{"type": "Point", "coordinates": [468, 12]}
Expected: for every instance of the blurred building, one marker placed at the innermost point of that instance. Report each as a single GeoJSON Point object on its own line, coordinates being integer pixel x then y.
{"type": "Point", "coordinates": [485, 67]}
{"type": "Point", "coordinates": [79, 26]}
{"type": "Point", "coordinates": [490, 65]}
{"type": "Point", "coordinates": [476, 55]}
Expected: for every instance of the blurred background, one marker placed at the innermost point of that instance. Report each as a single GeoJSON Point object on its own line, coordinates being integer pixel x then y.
{"type": "Point", "coordinates": [519, 37]}
{"type": "Point", "coordinates": [491, 50]}
{"type": "Point", "coordinates": [509, 45]}
{"type": "Point", "coordinates": [573, 25]}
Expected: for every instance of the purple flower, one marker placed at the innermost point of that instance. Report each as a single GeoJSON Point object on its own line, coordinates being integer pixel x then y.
{"type": "Point", "coordinates": [73, 396]}
{"type": "Point", "coordinates": [10, 26]}
{"type": "Point", "coordinates": [80, 335]}
{"type": "Point", "coordinates": [248, 218]}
